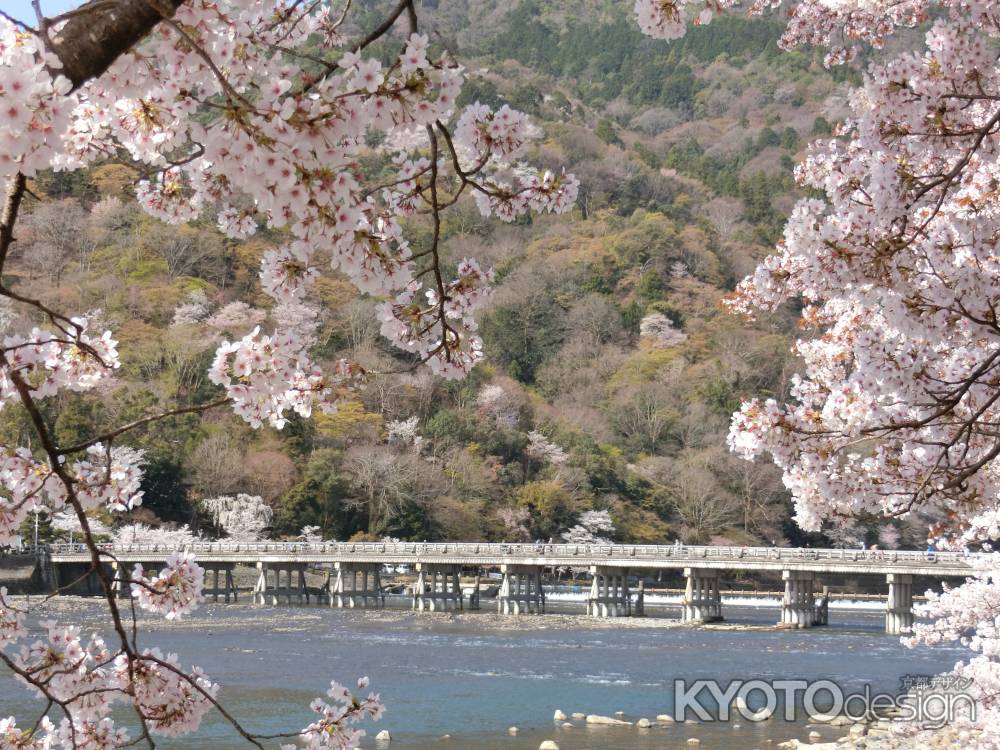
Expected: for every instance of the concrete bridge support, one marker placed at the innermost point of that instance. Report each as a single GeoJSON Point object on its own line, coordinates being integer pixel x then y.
{"type": "Point", "coordinates": [280, 580]}
{"type": "Point", "coordinates": [357, 584]}
{"type": "Point", "coordinates": [219, 573]}
{"type": "Point", "coordinates": [609, 594]}
{"type": "Point", "coordinates": [639, 609]}
{"type": "Point", "coordinates": [899, 608]}
{"type": "Point", "coordinates": [702, 600]}
{"type": "Point", "coordinates": [798, 607]}
{"type": "Point", "coordinates": [474, 595]}
{"type": "Point", "coordinates": [437, 587]}
{"type": "Point", "coordinates": [521, 590]}
{"type": "Point", "coordinates": [822, 614]}
{"type": "Point", "coordinates": [48, 572]}
{"type": "Point", "coordinates": [121, 577]}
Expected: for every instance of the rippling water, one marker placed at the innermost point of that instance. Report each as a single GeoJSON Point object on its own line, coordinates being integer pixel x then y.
{"type": "Point", "coordinates": [474, 676]}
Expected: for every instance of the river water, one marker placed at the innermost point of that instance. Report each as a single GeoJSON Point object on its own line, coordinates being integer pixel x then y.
{"type": "Point", "coordinates": [474, 675]}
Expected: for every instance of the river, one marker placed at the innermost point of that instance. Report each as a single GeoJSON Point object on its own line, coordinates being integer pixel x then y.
{"type": "Point", "coordinates": [473, 676]}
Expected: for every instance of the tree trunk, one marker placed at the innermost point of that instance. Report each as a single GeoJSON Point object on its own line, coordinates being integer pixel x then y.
{"type": "Point", "coordinates": [92, 39]}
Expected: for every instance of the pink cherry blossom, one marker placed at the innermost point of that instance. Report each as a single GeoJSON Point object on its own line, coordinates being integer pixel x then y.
{"type": "Point", "coordinates": [174, 591]}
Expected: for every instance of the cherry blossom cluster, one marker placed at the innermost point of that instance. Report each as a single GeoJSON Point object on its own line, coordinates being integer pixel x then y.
{"type": "Point", "coordinates": [266, 376]}
{"type": "Point", "coordinates": [898, 270]}
{"type": "Point", "coordinates": [456, 348]}
{"type": "Point", "coordinates": [404, 432]}
{"type": "Point", "coordinates": [173, 701]}
{"type": "Point", "coordinates": [34, 106]}
{"type": "Point", "coordinates": [12, 738]}
{"type": "Point", "coordinates": [335, 729]}
{"type": "Point", "coordinates": [498, 405]}
{"type": "Point", "coordinates": [87, 679]}
{"type": "Point", "coordinates": [243, 518]}
{"type": "Point", "coordinates": [287, 272]}
{"type": "Point", "coordinates": [667, 19]}
{"type": "Point", "coordinates": [284, 146]}
{"type": "Point", "coordinates": [90, 735]}
{"type": "Point", "coordinates": [169, 199]}
{"type": "Point", "coordinates": [73, 671]}
{"type": "Point", "coordinates": [898, 274]}
{"type": "Point", "coordinates": [968, 614]}
{"type": "Point", "coordinates": [174, 591]}
{"type": "Point", "coordinates": [236, 224]}
{"type": "Point", "coordinates": [484, 131]}
{"type": "Point", "coordinates": [593, 527]}
{"type": "Point", "coordinates": [111, 479]}
{"type": "Point", "coordinates": [142, 534]}
{"type": "Point", "coordinates": [25, 484]}
{"type": "Point", "coordinates": [11, 621]}
{"type": "Point", "coordinates": [547, 192]}
{"type": "Point", "coordinates": [48, 362]}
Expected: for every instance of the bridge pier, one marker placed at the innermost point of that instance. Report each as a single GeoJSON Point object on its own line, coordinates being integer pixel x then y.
{"type": "Point", "coordinates": [294, 583]}
{"type": "Point", "coordinates": [48, 572]}
{"type": "Point", "coordinates": [346, 592]}
{"type": "Point", "coordinates": [822, 612]}
{"type": "Point", "coordinates": [702, 600]}
{"type": "Point", "coordinates": [609, 595]}
{"type": "Point", "coordinates": [121, 577]}
{"type": "Point", "coordinates": [521, 590]}
{"type": "Point", "coordinates": [474, 597]}
{"type": "Point", "coordinates": [228, 587]}
{"type": "Point", "coordinates": [798, 607]}
{"type": "Point", "coordinates": [899, 607]}
{"type": "Point", "coordinates": [438, 586]}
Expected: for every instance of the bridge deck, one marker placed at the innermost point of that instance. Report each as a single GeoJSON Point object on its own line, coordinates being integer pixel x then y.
{"type": "Point", "coordinates": [636, 557]}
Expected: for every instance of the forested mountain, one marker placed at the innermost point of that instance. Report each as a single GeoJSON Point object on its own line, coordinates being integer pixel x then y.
{"type": "Point", "coordinates": [612, 366]}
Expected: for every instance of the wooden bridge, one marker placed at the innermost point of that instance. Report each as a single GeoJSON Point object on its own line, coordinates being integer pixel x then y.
{"type": "Point", "coordinates": [353, 572]}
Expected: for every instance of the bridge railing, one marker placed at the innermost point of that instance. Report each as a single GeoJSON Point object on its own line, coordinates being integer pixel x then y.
{"type": "Point", "coordinates": [692, 553]}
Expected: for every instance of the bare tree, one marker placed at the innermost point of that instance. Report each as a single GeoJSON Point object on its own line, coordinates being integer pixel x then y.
{"type": "Point", "coordinates": [759, 492]}
{"type": "Point", "coordinates": [701, 503]}
{"type": "Point", "coordinates": [216, 466]}
{"type": "Point", "coordinates": [385, 482]}
{"type": "Point", "coordinates": [55, 237]}
{"type": "Point", "coordinates": [361, 324]}
{"type": "Point", "coordinates": [644, 412]}
{"type": "Point", "coordinates": [269, 473]}
{"type": "Point", "coordinates": [595, 318]}
{"type": "Point", "coordinates": [725, 215]}
{"type": "Point", "coordinates": [187, 252]}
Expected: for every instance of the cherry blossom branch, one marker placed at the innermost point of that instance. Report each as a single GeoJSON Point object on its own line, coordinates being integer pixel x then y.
{"type": "Point", "coordinates": [118, 431]}
{"type": "Point", "coordinates": [388, 23]}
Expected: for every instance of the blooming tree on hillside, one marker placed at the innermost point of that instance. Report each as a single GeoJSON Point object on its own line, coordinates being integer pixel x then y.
{"type": "Point", "coordinates": [592, 527]}
{"type": "Point", "coordinates": [257, 113]}
{"type": "Point", "coordinates": [542, 449]}
{"type": "Point", "coordinates": [897, 267]}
